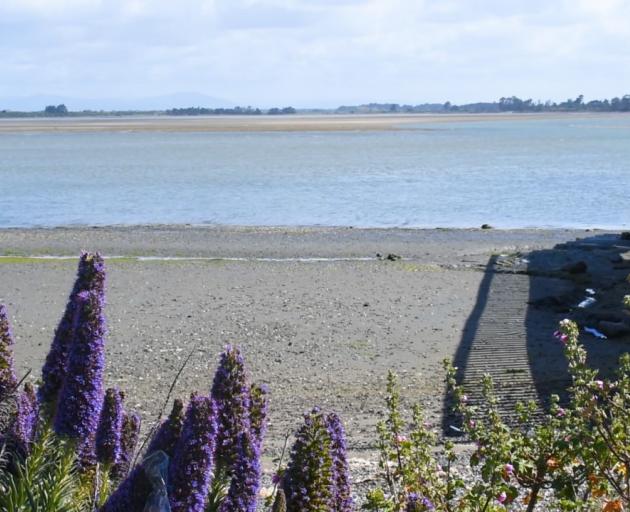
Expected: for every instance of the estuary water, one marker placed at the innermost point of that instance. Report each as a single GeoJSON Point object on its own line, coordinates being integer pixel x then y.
{"type": "Point", "coordinates": [559, 171]}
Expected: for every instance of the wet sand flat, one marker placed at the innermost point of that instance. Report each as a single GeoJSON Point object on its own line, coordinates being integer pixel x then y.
{"type": "Point", "coordinates": [258, 123]}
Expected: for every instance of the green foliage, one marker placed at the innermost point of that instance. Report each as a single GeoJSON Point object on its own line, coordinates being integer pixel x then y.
{"type": "Point", "coordinates": [45, 481]}
{"type": "Point", "coordinates": [218, 491]}
{"type": "Point", "coordinates": [600, 419]}
{"type": "Point", "coordinates": [49, 479]}
{"type": "Point", "coordinates": [407, 458]}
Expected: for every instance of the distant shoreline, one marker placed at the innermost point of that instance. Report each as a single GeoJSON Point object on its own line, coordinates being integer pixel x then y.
{"type": "Point", "coordinates": [292, 123]}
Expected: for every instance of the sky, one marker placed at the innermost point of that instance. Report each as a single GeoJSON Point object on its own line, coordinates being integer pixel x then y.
{"type": "Point", "coordinates": [310, 53]}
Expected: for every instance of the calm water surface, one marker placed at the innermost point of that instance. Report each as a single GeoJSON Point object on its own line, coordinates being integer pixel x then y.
{"type": "Point", "coordinates": [559, 172]}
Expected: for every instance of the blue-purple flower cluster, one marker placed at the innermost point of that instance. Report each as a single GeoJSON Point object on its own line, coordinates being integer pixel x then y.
{"type": "Point", "coordinates": [109, 432]}
{"type": "Point", "coordinates": [90, 277]}
{"type": "Point", "coordinates": [71, 394]}
{"type": "Point", "coordinates": [81, 395]}
{"type": "Point", "coordinates": [8, 380]}
{"type": "Point", "coordinates": [308, 480]}
{"type": "Point", "coordinates": [317, 478]}
{"type": "Point", "coordinates": [190, 471]}
{"type": "Point", "coordinates": [168, 433]}
{"type": "Point", "coordinates": [342, 497]}
{"type": "Point", "coordinates": [243, 492]}
{"type": "Point", "coordinates": [130, 432]}
{"type": "Point", "coordinates": [226, 429]}
{"type": "Point", "coordinates": [25, 424]}
{"type": "Point", "coordinates": [259, 400]}
{"type": "Point", "coordinates": [231, 393]}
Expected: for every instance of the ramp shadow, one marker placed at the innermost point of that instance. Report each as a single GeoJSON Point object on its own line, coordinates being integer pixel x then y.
{"type": "Point", "coordinates": [521, 299]}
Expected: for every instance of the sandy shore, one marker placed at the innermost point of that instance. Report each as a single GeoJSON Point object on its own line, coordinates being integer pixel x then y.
{"type": "Point", "coordinates": [258, 123]}
{"type": "Point", "coordinates": [319, 318]}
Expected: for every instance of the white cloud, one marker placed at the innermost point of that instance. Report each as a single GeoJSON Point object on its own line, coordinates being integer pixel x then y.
{"type": "Point", "coordinates": [310, 51]}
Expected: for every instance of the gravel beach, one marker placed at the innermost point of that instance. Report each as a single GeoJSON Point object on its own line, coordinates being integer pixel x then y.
{"type": "Point", "coordinates": [320, 318]}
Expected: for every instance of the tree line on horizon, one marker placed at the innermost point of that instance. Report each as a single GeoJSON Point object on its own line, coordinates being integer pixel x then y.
{"type": "Point", "coordinates": [504, 104]}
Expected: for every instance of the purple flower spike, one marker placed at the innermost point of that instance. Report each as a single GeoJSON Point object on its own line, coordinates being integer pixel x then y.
{"type": "Point", "coordinates": [130, 433]}
{"type": "Point", "coordinates": [231, 393]}
{"type": "Point", "coordinates": [90, 276]}
{"type": "Point", "coordinates": [342, 497]}
{"type": "Point", "coordinates": [81, 396]}
{"type": "Point", "coordinates": [8, 380]}
{"type": "Point", "coordinates": [190, 472]}
{"type": "Point", "coordinates": [108, 434]}
{"type": "Point", "coordinates": [308, 480]}
{"type": "Point", "coordinates": [25, 424]}
{"type": "Point", "coordinates": [258, 412]}
{"type": "Point", "coordinates": [169, 431]}
{"type": "Point", "coordinates": [243, 492]}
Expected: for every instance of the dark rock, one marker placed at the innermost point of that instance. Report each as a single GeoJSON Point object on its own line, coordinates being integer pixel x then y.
{"type": "Point", "coordinates": [614, 329]}
{"type": "Point", "coordinates": [623, 261]}
{"type": "Point", "coordinates": [625, 235]}
{"type": "Point", "coordinates": [393, 257]}
{"type": "Point", "coordinates": [576, 267]}
{"type": "Point", "coordinates": [556, 304]}
{"type": "Point", "coordinates": [486, 226]}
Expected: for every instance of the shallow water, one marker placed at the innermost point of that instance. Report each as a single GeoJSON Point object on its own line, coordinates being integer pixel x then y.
{"type": "Point", "coordinates": [555, 172]}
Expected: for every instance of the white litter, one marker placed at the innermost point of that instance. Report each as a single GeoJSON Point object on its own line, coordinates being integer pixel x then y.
{"type": "Point", "coordinates": [453, 427]}
{"type": "Point", "coordinates": [595, 333]}
{"type": "Point", "coordinates": [589, 301]}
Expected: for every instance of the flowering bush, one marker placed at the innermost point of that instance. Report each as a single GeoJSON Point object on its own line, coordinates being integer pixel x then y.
{"type": "Point", "coordinates": [414, 478]}
{"type": "Point", "coordinates": [576, 458]}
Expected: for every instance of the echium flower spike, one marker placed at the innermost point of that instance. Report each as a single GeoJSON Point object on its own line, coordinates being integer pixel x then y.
{"type": "Point", "coordinates": [308, 480]}
{"type": "Point", "coordinates": [108, 434]}
{"type": "Point", "coordinates": [258, 412]}
{"type": "Point", "coordinates": [81, 396]}
{"type": "Point", "coordinates": [25, 424]}
{"type": "Point", "coordinates": [230, 392]}
{"type": "Point", "coordinates": [90, 276]}
{"type": "Point", "coordinates": [245, 481]}
{"type": "Point", "coordinates": [8, 380]}
{"type": "Point", "coordinates": [130, 433]}
{"type": "Point", "coordinates": [167, 435]}
{"type": "Point", "coordinates": [342, 495]}
{"type": "Point", "coordinates": [190, 471]}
